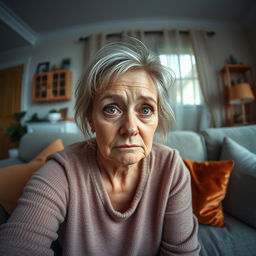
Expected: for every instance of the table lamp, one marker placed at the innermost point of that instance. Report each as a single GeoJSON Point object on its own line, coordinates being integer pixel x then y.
{"type": "Point", "coordinates": [241, 94]}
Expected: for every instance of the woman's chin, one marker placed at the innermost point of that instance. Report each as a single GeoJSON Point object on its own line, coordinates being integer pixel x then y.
{"type": "Point", "coordinates": [129, 159]}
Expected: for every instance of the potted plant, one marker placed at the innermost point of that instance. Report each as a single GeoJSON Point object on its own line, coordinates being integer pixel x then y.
{"type": "Point", "coordinates": [34, 119]}
{"type": "Point", "coordinates": [16, 131]}
{"type": "Point", "coordinates": [54, 116]}
{"type": "Point", "coordinates": [66, 63]}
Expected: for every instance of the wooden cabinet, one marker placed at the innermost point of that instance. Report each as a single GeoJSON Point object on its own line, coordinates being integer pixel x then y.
{"type": "Point", "coordinates": [234, 74]}
{"type": "Point", "coordinates": [52, 86]}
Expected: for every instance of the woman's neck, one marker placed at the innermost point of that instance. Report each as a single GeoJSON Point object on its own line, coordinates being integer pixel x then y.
{"type": "Point", "coordinates": [118, 177]}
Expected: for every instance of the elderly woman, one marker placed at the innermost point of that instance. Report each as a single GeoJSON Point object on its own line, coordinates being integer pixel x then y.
{"type": "Point", "coordinates": [118, 193]}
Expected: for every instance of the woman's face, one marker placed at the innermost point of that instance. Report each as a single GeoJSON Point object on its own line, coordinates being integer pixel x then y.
{"type": "Point", "coordinates": [125, 118]}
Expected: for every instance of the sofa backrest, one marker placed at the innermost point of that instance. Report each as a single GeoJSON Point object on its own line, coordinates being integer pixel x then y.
{"type": "Point", "coordinates": [33, 143]}
{"type": "Point", "coordinates": [190, 144]}
{"type": "Point", "coordinates": [244, 135]}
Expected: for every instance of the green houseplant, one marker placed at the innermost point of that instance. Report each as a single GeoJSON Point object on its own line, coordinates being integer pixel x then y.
{"type": "Point", "coordinates": [17, 130]}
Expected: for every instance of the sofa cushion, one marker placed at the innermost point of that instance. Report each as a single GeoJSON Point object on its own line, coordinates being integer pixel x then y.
{"type": "Point", "coordinates": [237, 238]}
{"type": "Point", "coordinates": [244, 135]}
{"type": "Point", "coordinates": [13, 178]}
{"type": "Point", "coordinates": [209, 182]}
{"type": "Point", "coordinates": [189, 144]}
{"type": "Point", "coordinates": [240, 198]}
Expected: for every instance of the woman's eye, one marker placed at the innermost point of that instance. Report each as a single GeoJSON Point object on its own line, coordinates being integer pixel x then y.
{"type": "Point", "coordinates": [111, 110]}
{"type": "Point", "coordinates": [146, 110]}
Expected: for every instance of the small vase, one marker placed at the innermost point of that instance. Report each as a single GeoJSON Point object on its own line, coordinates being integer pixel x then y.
{"type": "Point", "coordinates": [13, 152]}
{"type": "Point", "coordinates": [54, 117]}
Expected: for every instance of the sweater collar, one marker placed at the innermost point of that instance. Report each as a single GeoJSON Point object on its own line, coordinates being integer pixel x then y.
{"type": "Point", "coordinates": [99, 186]}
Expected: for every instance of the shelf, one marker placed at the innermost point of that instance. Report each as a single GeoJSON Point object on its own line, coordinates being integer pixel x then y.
{"type": "Point", "coordinates": [237, 68]}
{"type": "Point", "coordinates": [233, 74]}
{"type": "Point", "coordinates": [61, 126]}
{"type": "Point", "coordinates": [241, 124]}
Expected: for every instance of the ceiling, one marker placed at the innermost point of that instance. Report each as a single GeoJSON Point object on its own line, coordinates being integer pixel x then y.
{"type": "Point", "coordinates": [23, 23]}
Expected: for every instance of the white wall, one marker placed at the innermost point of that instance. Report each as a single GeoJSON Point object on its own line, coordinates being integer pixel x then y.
{"type": "Point", "coordinates": [231, 42]}
{"type": "Point", "coordinates": [252, 38]}
{"type": "Point", "coordinates": [228, 40]}
{"type": "Point", "coordinates": [252, 49]}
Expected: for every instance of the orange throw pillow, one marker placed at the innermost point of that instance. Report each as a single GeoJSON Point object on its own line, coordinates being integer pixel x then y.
{"type": "Point", "coordinates": [13, 178]}
{"type": "Point", "coordinates": [209, 182]}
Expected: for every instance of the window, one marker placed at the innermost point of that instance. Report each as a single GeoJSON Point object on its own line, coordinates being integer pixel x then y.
{"type": "Point", "coordinates": [188, 90]}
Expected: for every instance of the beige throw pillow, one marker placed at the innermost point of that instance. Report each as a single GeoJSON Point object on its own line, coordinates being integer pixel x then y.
{"type": "Point", "coordinates": [13, 178]}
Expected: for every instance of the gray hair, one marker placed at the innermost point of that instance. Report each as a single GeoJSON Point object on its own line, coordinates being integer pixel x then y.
{"type": "Point", "coordinates": [109, 63]}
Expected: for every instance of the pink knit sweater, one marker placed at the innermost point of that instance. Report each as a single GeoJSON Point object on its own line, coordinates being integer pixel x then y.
{"type": "Point", "coordinates": [66, 199]}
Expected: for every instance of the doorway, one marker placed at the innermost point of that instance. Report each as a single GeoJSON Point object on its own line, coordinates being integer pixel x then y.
{"type": "Point", "coordinates": [10, 102]}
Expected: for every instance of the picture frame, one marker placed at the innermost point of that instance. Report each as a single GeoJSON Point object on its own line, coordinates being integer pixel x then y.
{"type": "Point", "coordinates": [64, 113]}
{"type": "Point", "coordinates": [43, 67]}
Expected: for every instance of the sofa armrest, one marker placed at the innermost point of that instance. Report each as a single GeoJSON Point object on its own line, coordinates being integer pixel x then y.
{"type": "Point", "coordinates": [32, 144]}
{"type": "Point", "coordinates": [4, 216]}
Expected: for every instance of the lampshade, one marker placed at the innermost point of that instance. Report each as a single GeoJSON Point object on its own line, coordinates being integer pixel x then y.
{"type": "Point", "coordinates": [240, 94]}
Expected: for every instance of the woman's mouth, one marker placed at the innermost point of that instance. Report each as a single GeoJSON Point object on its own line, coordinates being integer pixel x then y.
{"type": "Point", "coordinates": [131, 146]}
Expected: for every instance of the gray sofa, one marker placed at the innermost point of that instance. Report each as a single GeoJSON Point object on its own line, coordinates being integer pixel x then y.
{"type": "Point", "coordinates": [239, 236]}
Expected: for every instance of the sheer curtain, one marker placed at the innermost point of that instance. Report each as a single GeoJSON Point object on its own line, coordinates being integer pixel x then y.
{"type": "Point", "coordinates": [93, 43]}
{"type": "Point", "coordinates": [186, 99]}
{"type": "Point", "coordinates": [208, 79]}
{"type": "Point", "coordinates": [185, 53]}
{"type": "Point", "coordinates": [96, 41]}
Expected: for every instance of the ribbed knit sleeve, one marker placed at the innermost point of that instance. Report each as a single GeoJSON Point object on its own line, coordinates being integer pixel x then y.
{"type": "Point", "coordinates": [33, 225]}
{"type": "Point", "coordinates": [180, 225]}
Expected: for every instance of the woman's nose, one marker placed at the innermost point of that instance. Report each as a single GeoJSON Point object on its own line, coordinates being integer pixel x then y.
{"type": "Point", "coordinates": [129, 126]}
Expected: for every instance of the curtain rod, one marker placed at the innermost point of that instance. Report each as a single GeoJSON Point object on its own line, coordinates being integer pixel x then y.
{"type": "Point", "coordinates": [209, 33]}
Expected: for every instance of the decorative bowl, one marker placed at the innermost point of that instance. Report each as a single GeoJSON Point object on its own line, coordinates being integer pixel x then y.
{"type": "Point", "coordinates": [54, 117]}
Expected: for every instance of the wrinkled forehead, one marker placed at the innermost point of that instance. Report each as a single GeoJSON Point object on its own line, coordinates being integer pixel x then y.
{"type": "Point", "coordinates": [127, 94]}
{"type": "Point", "coordinates": [133, 80]}
{"type": "Point", "coordinates": [127, 85]}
